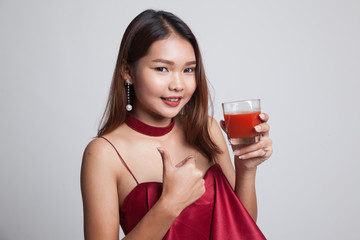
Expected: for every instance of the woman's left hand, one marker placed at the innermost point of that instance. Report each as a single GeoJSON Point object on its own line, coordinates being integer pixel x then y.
{"type": "Point", "coordinates": [254, 154]}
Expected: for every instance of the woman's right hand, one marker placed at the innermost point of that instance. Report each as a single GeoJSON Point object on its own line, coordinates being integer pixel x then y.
{"type": "Point", "coordinates": [183, 183]}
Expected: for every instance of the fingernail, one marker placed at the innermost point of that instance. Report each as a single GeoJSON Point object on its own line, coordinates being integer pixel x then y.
{"type": "Point", "coordinates": [257, 128]}
{"type": "Point", "coordinates": [236, 152]}
{"type": "Point", "coordinates": [262, 115]}
{"type": "Point", "coordinates": [240, 157]}
{"type": "Point", "coordinates": [189, 157]}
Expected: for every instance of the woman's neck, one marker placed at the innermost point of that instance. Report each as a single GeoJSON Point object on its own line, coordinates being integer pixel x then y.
{"type": "Point", "coordinates": [155, 121]}
{"type": "Point", "coordinates": [151, 130]}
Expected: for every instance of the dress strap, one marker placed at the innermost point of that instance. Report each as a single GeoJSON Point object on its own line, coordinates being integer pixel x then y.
{"type": "Point", "coordinates": [122, 160]}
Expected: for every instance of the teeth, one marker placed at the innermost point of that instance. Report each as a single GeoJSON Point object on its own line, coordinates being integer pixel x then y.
{"type": "Point", "coordinates": [172, 99]}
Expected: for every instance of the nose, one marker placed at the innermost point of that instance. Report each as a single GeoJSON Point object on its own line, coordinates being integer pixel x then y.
{"type": "Point", "coordinates": [176, 83]}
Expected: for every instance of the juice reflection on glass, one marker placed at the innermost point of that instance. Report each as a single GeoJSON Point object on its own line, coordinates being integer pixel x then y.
{"type": "Point", "coordinates": [240, 119]}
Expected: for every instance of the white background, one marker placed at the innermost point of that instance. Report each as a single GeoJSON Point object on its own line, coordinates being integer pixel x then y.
{"type": "Point", "coordinates": [302, 58]}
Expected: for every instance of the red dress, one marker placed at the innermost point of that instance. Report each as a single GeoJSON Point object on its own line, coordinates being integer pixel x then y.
{"type": "Point", "coordinates": [218, 214]}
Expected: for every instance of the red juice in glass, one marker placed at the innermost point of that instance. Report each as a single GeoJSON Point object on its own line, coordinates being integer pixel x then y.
{"type": "Point", "coordinates": [240, 119]}
{"type": "Point", "coordinates": [241, 125]}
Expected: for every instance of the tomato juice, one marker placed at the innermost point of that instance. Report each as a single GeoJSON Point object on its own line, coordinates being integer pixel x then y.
{"type": "Point", "coordinates": [241, 125]}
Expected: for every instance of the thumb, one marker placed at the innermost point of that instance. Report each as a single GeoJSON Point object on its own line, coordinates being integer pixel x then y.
{"type": "Point", "coordinates": [183, 162]}
{"type": "Point", "coordinates": [165, 156]}
{"type": "Point", "coordinates": [223, 126]}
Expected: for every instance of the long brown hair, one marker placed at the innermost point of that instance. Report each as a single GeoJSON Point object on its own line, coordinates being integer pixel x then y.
{"type": "Point", "coordinates": [146, 28]}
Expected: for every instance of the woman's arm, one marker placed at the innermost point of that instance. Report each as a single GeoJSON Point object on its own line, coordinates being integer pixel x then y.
{"type": "Point", "coordinates": [243, 178]}
{"type": "Point", "coordinates": [156, 223]}
{"type": "Point", "coordinates": [99, 192]}
{"type": "Point", "coordinates": [183, 184]}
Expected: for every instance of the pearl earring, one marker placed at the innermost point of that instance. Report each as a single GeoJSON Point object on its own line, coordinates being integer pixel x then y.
{"type": "Point", "coordinates": [128, 106]}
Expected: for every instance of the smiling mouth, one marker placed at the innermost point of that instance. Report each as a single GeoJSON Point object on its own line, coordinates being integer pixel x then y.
{"type": "Point", "coordinates": [171, 99]}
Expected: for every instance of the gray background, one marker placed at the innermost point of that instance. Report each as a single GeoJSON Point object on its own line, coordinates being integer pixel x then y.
{"type": "Point", "coordinates": [302, 58]}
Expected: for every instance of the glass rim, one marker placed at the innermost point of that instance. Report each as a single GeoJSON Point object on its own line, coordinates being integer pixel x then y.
{"type": "Point", "coordinates": [247, 100]}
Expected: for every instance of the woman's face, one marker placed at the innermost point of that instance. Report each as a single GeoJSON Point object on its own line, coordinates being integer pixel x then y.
{"type": "Point", "coordinates": [164, 80]}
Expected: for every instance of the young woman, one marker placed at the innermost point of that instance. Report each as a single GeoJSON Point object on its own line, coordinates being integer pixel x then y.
{"type": "Point", "coordinates": [160, 166]}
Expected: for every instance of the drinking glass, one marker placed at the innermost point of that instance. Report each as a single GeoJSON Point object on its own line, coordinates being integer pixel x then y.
{"type": "Point", "coordinates": [240, 119]}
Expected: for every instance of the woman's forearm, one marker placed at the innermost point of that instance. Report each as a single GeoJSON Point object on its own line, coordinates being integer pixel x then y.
{"type": "Point", "coordinates": [245, 188]}
{"type": "Point", "coordinates": [156, 223]}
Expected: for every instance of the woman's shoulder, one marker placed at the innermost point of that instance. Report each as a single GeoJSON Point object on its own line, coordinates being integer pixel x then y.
{"type": "Point", "coordinates": [213, 126]}
{"type": "Point", "coordinates": [211, 120]}
{"type": "Point", "coordinates": [98, 146]}
{"type": "Point", "coordinates": [217, 136]}
{"type": "Point", "coordinates": [99, 151]}
{"type": "Point", "coordinates": [103, 145]}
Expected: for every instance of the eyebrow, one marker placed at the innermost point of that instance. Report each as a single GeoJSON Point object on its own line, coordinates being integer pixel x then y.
{"type": "Point", "coordinates": [160, 60]}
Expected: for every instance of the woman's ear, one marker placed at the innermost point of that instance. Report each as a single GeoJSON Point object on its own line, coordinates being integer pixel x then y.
{"type": "Point", "coordinates": [127, 72]}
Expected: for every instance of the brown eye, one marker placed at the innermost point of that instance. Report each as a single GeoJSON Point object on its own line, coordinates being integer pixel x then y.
{"type": "Point", "coordinates": [161, 69]}
{"type": "Point", "coordinates": [189, 70]}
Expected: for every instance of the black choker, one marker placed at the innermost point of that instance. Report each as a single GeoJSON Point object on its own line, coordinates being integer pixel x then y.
{"type": "Point", "coordinates": [146, 129]}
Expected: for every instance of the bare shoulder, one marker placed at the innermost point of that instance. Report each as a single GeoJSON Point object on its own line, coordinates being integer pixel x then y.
{"type": "Point", "coordinates": [214, 129]}
{"type": "Point", "coordinates": [217, 136]}
{"type": "Point", "coordinates": [222, 159]}
{"type": "Point", "coordinates": [98, 156]}
{"type": "Point", "coordinates": [212, 120]}
{"type": "Point", "coordinates": [97, 148]}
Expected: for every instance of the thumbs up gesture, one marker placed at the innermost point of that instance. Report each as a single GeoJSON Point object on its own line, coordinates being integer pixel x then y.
{"type": "Point", "coordinates": [183, 183]}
